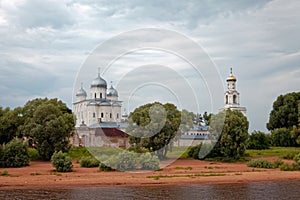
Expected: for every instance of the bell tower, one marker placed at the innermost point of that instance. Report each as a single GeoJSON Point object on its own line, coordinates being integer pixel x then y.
{"type": "Point", "coordinates": [232, 96]}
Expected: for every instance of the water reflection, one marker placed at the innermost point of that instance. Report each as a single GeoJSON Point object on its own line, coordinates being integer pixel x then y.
{"type": "Point", "coordinates": [256, 190]}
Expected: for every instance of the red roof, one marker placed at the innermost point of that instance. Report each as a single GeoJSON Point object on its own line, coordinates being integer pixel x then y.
{"type": "Point", "coordinates": [110, 132]}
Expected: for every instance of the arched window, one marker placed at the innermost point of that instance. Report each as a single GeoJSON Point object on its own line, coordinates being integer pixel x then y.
{"type": "Point", "coordinates": [226, 99]}
{"type": "Point", "coordinates": [110, 115]}
{"type": "Point", "coordinates": [95, 95]}
{"type": "Point", "coordinates": [234, 98]}
{"type": "Point", "coordinates": [102, 115]}
{"type": "Point", "coordinates": [101, 95]}
{"type": "Point", "coordinates": [117, 115]}
{"type": "Point", "coordinates": [94, 115]}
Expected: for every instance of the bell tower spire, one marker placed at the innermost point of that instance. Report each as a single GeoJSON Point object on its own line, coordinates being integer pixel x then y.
{"type": "Point", "coordinates": [99, 70]}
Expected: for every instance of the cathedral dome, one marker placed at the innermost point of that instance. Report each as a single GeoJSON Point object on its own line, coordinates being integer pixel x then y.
{"type": "Point", "coordinates": [112, 92]}
{"type": "Point", "coordinates": [81, 92]}
{"type": "Point", "coordinates": [231, 77]}
{"type": "Point", "coordinates": [99, 82]}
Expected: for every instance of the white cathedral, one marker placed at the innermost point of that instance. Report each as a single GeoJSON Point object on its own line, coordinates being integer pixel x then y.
{"type": "Point", "coordinates": [101, 106]}
{"type": "Point", "coordinates": [232, 96]}
{"type": "Point", "coordinates": [99, 121]}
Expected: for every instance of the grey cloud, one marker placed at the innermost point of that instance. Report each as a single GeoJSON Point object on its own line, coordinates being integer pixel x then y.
{"type": "Point", "coordinates": [47, 13]}
{"type": "Point", "coordinates": [23, 78]}
{"type": "Point", "coordinates": [49, 39]}
{"type": "Point", "coordinates": [186, 14]}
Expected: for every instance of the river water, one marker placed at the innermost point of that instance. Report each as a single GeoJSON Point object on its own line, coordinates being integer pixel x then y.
{"type": "Point", "coordinates": [253, 190]}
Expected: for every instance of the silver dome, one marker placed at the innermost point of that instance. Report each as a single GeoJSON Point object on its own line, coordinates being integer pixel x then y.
{"type": "Point", "coordinates": [81, 92]}
{"type": "Point", "coordinates": [99, 82]}
{"type": "Point", "coordinates": [112, 92]}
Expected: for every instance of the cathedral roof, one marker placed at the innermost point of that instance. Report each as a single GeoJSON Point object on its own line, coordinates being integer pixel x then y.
{"type": "Point", "coordinates": [99, 82]}
{"type": "Point", "coordinates": [112, 92]}
{"type": "Point", "coordinates": [231, 77]}
{"type": "Point", "coordinates": [110, 132]}
{"type": "Point", "coordinates": [81, 92]}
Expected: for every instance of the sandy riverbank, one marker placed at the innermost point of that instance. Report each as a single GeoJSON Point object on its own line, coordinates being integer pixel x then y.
{"type": "Point", "coordinates": [182, 171]}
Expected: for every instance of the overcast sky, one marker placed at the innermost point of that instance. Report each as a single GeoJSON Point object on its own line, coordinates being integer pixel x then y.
{"type": "Point", "coordinates": [44, 45]}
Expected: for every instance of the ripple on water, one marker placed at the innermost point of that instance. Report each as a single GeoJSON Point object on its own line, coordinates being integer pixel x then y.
{"type": "Point", "coordinates": [254, 190]}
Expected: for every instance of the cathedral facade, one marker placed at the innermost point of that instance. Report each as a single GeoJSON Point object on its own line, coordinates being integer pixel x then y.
{"type": "Point", "coordinates": [101, 105]}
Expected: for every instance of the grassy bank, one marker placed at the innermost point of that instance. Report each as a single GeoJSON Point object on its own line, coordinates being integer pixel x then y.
{"type": "Point", "coordinates": [280, 152]}
{"type": "Point", "coordinates": [181, 152]}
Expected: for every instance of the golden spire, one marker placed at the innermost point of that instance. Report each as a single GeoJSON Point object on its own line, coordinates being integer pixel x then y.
{"type": "Point", "coordinates": [231, 77]}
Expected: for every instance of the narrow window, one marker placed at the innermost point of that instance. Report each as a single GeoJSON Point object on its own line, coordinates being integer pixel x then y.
{"type": "Point", "coordinates": [94, 115]}
{"type": "Point", "coordinates": [102, 115]}
{"type": "Point", "coordinates": [110, 115]}
{"type": "Point", "coordinates": [117, 115]}
{"type": "Point", "coordinates": [101, 95]}
{"type": "Point", "coordinates": [226, 99]}
{"type": "Point", "coordinates": [95, 95]}
{"type": "Point", "coordinates": [234, 98]}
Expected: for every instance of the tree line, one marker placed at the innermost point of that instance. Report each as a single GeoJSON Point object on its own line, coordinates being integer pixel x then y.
{"type": "Point", "coordinates": [284, 120]}
{"type": "Point", "coordinates": [47, 124]}
{"type": "Point", "coordinates": [44, 124]}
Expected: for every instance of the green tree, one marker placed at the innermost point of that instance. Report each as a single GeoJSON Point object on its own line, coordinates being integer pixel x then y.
{"type": "Point", "coordinates": [10, 120]}
{"type": "Point", "coordinates": [234, 133]}
{"type": "Point", "coordinates": [154, 127]}
{"type": "Point", "coordinates": [186, 120]}
{"type": "Point", "coordinates": [48, 125]}
{"type": "Point", "coordinates": [198, 118]}
{"type": "Point", "coordinates": [284, 120]}
{"type": "Point", "coordinates": [207, 117]}
{"type": "Point", "coordinates": [295, 132]}
{"type": "Point", "coordinates": [2, 164]}
{"type": "Point", "coordinates": [258, 140]}
{"type": "Point", "coordinates": [281, 137]}
{"type": "Point", "coordinates": [285, 112]}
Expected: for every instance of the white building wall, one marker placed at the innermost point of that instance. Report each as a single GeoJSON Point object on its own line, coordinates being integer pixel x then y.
{"type": "Point", "coordinates": [97, 92]}
{"type": "Point", "coordinates": [112, 98]}
{"type": "Point", "coordinates": [90, 114]}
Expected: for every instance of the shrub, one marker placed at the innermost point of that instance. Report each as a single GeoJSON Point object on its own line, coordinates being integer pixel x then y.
{"type": "Point", "coordinates": [260, 164]}
{"type": "Point", "coordinates": [104, 162]}
{"type": "Point", "coordinates": [277, 163]}
{"type": "Point", "coordinates": [62, 162]}
{"type": "Point", "coordinates": [15, 153]}
{"type": "Point", "coordinates": [89, 162]}
{"type": "Point", "coordinates": [4, 173]}
{"type": "Point", "coordinates": [128, 160]}
{"type": "Point", "coordinates": [105, 168]}
{"type": "Point", "coordinates": [258, 140]}
{"type": "Point", "coordinates": [33, 154]}
{"type": "Point", "coordinates": [79, 152]}
{"type": "Point", "coordinates": [125, 160]}
{"type": "Point", "coordinates": [289, 167]}
{"type": "Point", "coordinates": [289, 156]}
{"type": "Point", "coordinates": [292, 167]}
{"type": "Point", "coordinates": [193, 152]}
{"type": "Point", "coordinates": [148, 161]}
{"type": "Point", "coordinates": [206, 151]}
{"type": "Point", "coordinates": [297, 159]}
